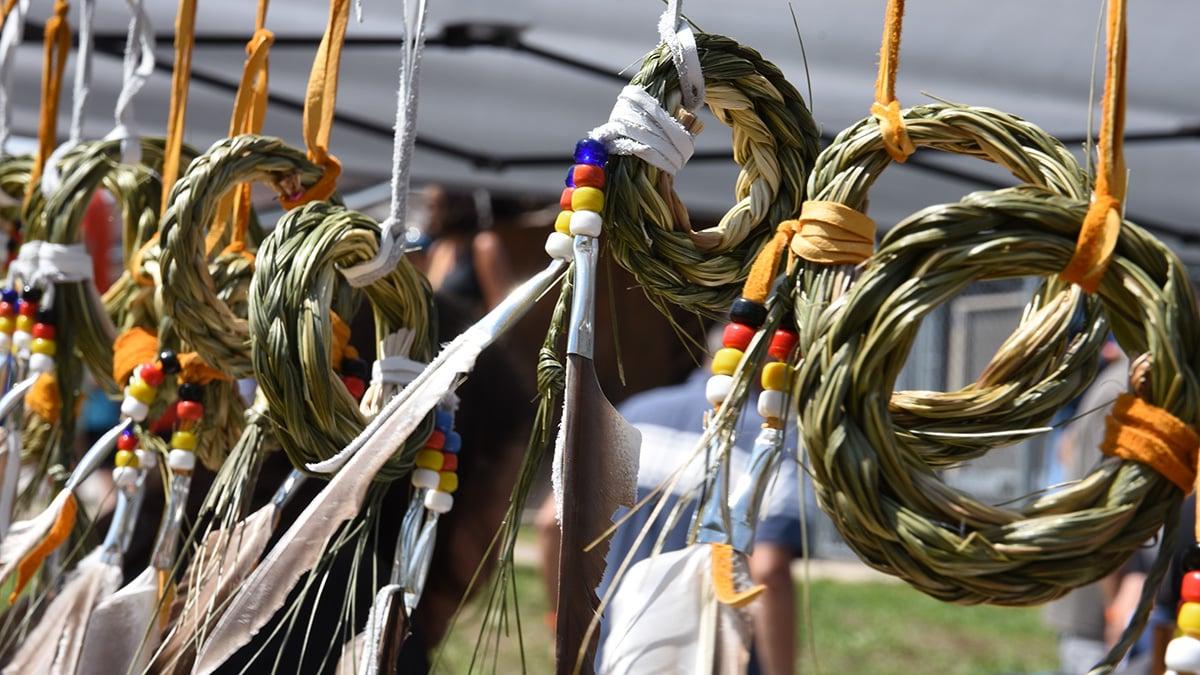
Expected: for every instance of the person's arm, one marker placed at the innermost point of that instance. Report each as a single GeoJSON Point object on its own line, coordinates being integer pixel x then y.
{"type": "Point", "coordinates": [491, 267]}
{"type": "Point", "coordinates": [775, 610]}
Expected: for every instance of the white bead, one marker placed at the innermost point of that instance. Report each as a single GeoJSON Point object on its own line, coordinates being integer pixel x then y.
{"type": "Point", "coordinates": [146, 459]}
{"type": "Point", "coordinates": [438, 501]}
{"type": "Point", "coordinates": [133, 408]}
{"type": "Point", "coordinates": [125, 476]}
{"type": "Point", "coordinates": [41, 363]}
{"type": "Point", "coordinates": [5, 342]}
{"type": "Point", "coordinates": [770, 404]}
{"type": "Point", "coordinates": [425, 478]}
{"type": "Point", "coordinates": [560, 246]}
{"type": "Point", "coordinates": [1183, 654]}
{"type": "Point", "coordinates": [22, 341]}
{"type": "Point", "coordinates": [586, 223]}
{"type": "Point", "coordinates": [717, 389]}
{"type": "Point", "coordinates": [181, 460]}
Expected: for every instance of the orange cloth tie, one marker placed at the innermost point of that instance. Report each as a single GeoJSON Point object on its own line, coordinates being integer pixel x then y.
{"type": "Point", "coordinates": [766, 263]}
{"type": "Point", "coordinates": [43, 400]}
{"type": "Point", "coordinates": [194, 369]}
{"type": "Point", "coordinates": [341, 347]}
{"type": "Point", "coordinates": [724, 585]}
{"type": "Point", "coordinates": [833, 234]}
{"type": "Point", "coordinates": [57, 44]}
{"type": "Point", "coordinates": [64, 522]}
{"type": "Point", "coordinates": [1102, 225]}
{"type": "Point", "coordinates": [181, 77]}
{"type": "Point", "coordinates": [131, 349]}
{"type": "Point", "coordinates": [1141, 432]}
{"type": "Point", "coordinates": [886, 108]}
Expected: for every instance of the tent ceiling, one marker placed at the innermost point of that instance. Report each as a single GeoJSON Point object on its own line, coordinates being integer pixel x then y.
{"type": "Point", "coordinates": [1028, 57]}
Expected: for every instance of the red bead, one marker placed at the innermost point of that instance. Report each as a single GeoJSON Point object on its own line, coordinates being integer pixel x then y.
{"type": "Point", "coordinates": [151, 374]}
{"type": "Point", "coordinates": [43, 330]}
{"type": "Point", "coordinates": [189, 410]}
{"type": "Point", "coordinates": [127, 442]}
{"type": "Point", "coordinates": [737, 336]}
{"type": "Point", "coordinates": [449, 461]}
{"type": "Point", "coordinates": [564, 201]}
{"type": "Point", "coordinates": [7, 309]}
{"type": "Point", "coordinates": [1190, 589]}
{"type": "Point", "coordinates": [782, 344]}
{"type": "Point", "coordinates": [436, 440]}
{"type": "Point", "coordinates": [26, 308]}
{"type": "Point", "coordinates": [587, 175]}
{"type": "Point", "coordinates": [355, 386]}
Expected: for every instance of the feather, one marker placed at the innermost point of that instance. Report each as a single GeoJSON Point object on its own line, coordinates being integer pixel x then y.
{"type": "Point", "coordinates": [387, 628]}
{"type": "Point", "coordinates": [120, 636]}
{"type": "Point", "coordinates": [56, 642]}
{"type": "Point", "coordinates": [10, 451]}
{"type": "Point", "coordinates": [595, 461]}
{"type": "Point", "coordinates": [298, 551]}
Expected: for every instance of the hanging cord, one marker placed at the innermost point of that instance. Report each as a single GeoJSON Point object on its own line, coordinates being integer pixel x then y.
{"type": "Point", "coordinates": [319, 102]}
{"type": "Point", "coordinates": [677, 34]}
{"type": "Point", "coordinates": [185, 29]}
{"type": "Point", "coordinates": [10, 40]}
{"type": "Point", "coordinates": [57, 44]}
{"type": "Point", "coordinates": [51, 179]}
{"type": "Point", "coordinates": [1102, 225]}
{"type": "Point", "coordinates": [391, 240]}
{"type": "Point", "coordinates": [137, 68]}
{"type": "Point", "coordinates": [886, 108]}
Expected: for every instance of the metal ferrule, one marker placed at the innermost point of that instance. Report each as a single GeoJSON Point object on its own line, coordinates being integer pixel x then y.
{"type": "Point", "coordinates": [168, 533]}
{"type": "Point", "coordinates": [581, 337]}
{"type": "Point", "coordinates": [714, 512]}
{"type": "Point", "coordinates": [113, 547]}
{"type": "Point", "coordinates": [748, 493]}
{"type": "Point", "coordinates": [422, 556]}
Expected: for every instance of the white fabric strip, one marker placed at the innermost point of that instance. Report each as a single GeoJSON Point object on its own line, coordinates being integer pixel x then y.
{"type": "Point", "coordinates": [391, 243]}
{"type": "Point", "coordinates": [396, 370]}
{"type": "Point", "coordinates": [22, 270]}
{"type": "Point", "coordinates": [63, 263]}
{"type": "Point", "coordinates": [51, 179]}
{"type": "Point", "coordinates": [677, 34]}
{"type": "Point", "coordinates": [138, 66]}
{"type": "Point", "coordinates": [10, 40]}
{"type": "Point", "coordinates": [639, 126]}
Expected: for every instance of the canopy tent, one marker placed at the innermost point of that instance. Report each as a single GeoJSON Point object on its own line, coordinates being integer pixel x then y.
{"type": "Point", "coordinates": [507, 87]}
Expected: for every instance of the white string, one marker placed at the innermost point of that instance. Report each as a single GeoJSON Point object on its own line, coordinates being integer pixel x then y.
{"type": "Point", "coordinates": [677, 34]}
{"type": "Point", "coordinates": [639, 126]}
{"type": "Point", "coordinates": [51, 179]}
{"type": "Point", "coordinates": [391, 242]}
{"type": "Point", "coordinates": [137, 68]}
{"type": "Point", "coordinates": [10, 40]}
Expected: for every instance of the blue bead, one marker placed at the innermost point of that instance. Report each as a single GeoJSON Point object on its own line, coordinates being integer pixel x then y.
{"type": "Point", "coordinates": [10, 295]}
{"type": "Point", "coordinates": [453, 442]}
{"type": "Point", "coordinates": [590, 151]}
{"type": "Point", "coordinates": [127, 433]}
{"type": "Point", "coordinates": [443, 420]}
{"type": "Point", "coordinates": [570, 181]}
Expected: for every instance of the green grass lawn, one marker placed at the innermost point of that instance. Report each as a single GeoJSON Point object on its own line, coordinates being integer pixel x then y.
{"type": "Point", "coordinates": [870, 628]}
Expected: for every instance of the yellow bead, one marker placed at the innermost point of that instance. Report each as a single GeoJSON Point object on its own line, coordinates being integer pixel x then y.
{"type": "Point", "coordinates": [183, 440]}
{"type": "Point", "coordinates": [126, 458]}
{"type": "Point", "coordinates": [726, 360]}
{"type": "Point", "coordinates": [429, 459]}
{"type": "Point", "coordinates": [24, 323]}
{"type": "Point", "coordinates": [1189, 618]}
{"type": "Point", "coordinates": [448, 481]}
{"type": "Point", "coordinates": [587, 199]}
{"type": "Point", "coordinates": [6, 324]}
{"type": "Point", "coordinates": [43, 346]}
{"type": "Point", "coordinates": [563, 222]}
{"type": "Point", "coordinates": [776, 376]}
{"type": "Point", "coordinates": [141, 391]}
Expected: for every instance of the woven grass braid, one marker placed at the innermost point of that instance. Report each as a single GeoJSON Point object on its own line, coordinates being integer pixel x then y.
{"type": "Point", "coordinates": [187, 292]}
{"type": "Point", "coordinates": [774, 143]}
{"type": "Point", "coordinates": [891, 506]}
{"type": "Point", "coordinates": [15, 171]}
{"type": "Point", "coordinates": [296, 284]}
{"type": "Point", "coordinates": [1044, 364]}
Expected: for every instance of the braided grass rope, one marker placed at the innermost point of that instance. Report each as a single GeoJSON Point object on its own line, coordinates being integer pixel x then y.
{"type": "Point", "coordinates": [14, 176]}
{"type": "Point", "coordinates": [889, 505]}
{"type": "Point", "coordinates": [774, 142]}
{"type": "Point", "coordinates": [296, 284]}
{"type": "Point", "coordinates": [1044, 364]}
{"type": "Point", "coordinates": [186, 293]}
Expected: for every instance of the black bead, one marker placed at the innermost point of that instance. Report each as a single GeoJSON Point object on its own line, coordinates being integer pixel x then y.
{"type": "Point", "coordinates": [44, 315]}
{"type": "Point", "coordinates": [190, 391]}
{"type": "Point", "coordinates": [31, 294]}
{"type": "Point", "coordinates": [747, 312]}
{"type": "Point", "coordinates": [1191, 558]}
{"type": "Point", "coordinates": [170, 362]}
{"type": "Point", "coordinates": [11, 245]}
{"type": "Point", "coordinates": [356, 368]}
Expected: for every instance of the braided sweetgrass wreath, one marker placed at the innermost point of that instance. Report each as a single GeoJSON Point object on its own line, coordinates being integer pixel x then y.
{"type": "Point", "coordinates": [296, 285]}
{"type": "Point", "coordinates": [774, 142]}
{"type": "Point", "coordinates": [889, 504]}
{"type": "Point", "coordinates": [15, 171]}
{"type": "Point", "coordinates": [186, 292]}
{"type": "Point", "coordinates": [1044, 364]}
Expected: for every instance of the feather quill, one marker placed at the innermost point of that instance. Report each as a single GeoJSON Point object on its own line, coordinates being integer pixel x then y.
{"type": "Point", "coordinates": [298, 551]}
{"type": "Point", "coordinates": [10, 449]}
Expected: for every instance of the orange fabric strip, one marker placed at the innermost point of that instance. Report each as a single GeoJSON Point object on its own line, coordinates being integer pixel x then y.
{"type": "Point", "coordinates": [1102, 225]}
{"type": "Point", "coordinates": [833, 234]}
{"type": "Point", "coordinates": [724, 585]}
{"type": "Point", "coordinates": [341, 348]}
{"type": "Point", "coordinates": [57, 45]}
{"type": "Point", "coordinates": [766, 263]}
{"type": "Point", "coordinates": [43, 400]}
{"type": "Point", "coordinates": [181, 77]}
{"type": "Point", "coordinates": [886, 108]}
{"type": "Point", "coordinates": [64, 522]}
{"type": "Point", "coordinates": [1141, 432]}
{"type": "Point", "coordinates": [194, 369]}
{"type": "Point", "coordinates": [6, 10]}
{"type": "Point", "coordinates": [130, 350]}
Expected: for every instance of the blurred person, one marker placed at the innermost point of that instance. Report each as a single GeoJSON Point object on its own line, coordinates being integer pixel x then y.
{"type": "Point", "coordinates": [1166, 603]}
{"type": "Point", "coordinates": [464, 260]}
{"type": "Point", "coordinates": [670, 420]}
